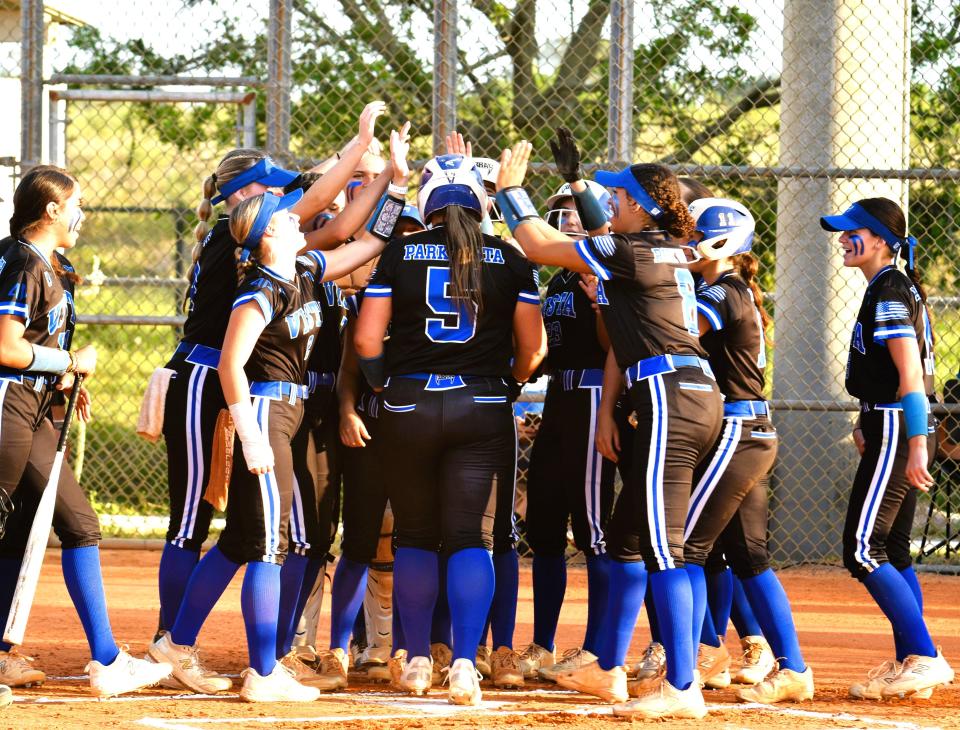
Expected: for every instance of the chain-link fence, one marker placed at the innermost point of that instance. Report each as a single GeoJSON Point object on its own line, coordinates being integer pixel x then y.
{"type": "Point", "coordinates": [796, 107]}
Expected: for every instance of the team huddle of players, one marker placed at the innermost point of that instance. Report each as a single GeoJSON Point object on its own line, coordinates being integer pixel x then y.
{"type": "Point", "coordinates": [347, 352]}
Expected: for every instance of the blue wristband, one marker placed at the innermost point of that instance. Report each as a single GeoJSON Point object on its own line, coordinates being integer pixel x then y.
{"type": "Point", "coordinates": [48, 360]}
{"type": "Point", "coordinates": [591, 214]}
{"type": "Point", "coordinates": [373, 369]}
{"type": "Point", "coordinates": [915, 405]}
{"type": "Point", "coordinates": [385, 217]}
{"type": "Point", "coordinates": [516, 207]}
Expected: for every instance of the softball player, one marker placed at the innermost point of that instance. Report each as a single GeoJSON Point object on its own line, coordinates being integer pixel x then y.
{"type": "Point", "coordinates": [568, 479]}
{"type": "Point", "coordinates": [890, 370]}
{"type": "Point", "coordinates": [730, 493]}
{"type": "Point", "coordinates": [194, 398]}
{"type": "Point", "coordinates": [652, 322]}
{"type": "Point", "coordinates": [37, 320]}
{"type": "Point", "coordinates": [271, 331]}
{"type": "Point", "coordinates": [455, 301]}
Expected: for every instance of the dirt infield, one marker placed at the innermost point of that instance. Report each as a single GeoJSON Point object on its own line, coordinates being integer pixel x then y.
{"type": "Point", "coordinates": [841, 632]}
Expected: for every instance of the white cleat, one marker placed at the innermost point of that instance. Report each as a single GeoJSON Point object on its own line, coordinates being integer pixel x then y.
{"type": "Point", "coordinates": [918, 673]}
{"type": "Point", "coordinates": [534, 658]}
{"type": "Point", "coordinates": [653, 663]}
{"type": "Point", "coordinates": [609, 685]}
{"type": "Point", "coordinates": [758, 661]}
{"type": "Point", "coordinates": [505, 669]}
{"type": "Point", "coordinates": [6, 696]}
{"type": "Point", "coordinates": [464, 683]}
{"type": "Point", "coordinates": [878, 678]}
{"type": "Point", "coordinates": [780, 685]}
{"type": "Point", "coordinates": [125, 674]}
{"type": "Point", "coordinates": [571, 660]}
{"type": "Point", "coordinates": [187, 667]}
{"type": "Point", "coordinates": [417, 675]}
{"type": "Point", "coordinates": [665, 700]}
{"type": "Point", "coordinates": [278, 686]}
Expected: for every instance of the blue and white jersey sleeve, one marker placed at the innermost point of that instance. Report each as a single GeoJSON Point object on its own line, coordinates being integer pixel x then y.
{"type": "Point", "coordinates": [608, 256]}
{"type": "Point", "coordinates": [315, 262]}
{"type": "Point", "coordinates": [713, 304]}
{"type": "Point", "coordinates": [381, 281]}
{"type": "Point", "coordinates": [893, 316]}
{"type": "Point", "coordinates": [263, 292]}
{"type": "Point", "coordinates": [529, 287]}
{"type": "Point", "coordinates": [20, 293]}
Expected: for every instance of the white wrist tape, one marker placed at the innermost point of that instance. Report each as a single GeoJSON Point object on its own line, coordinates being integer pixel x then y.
{"type": "Point", "coordinates": [245, 422]}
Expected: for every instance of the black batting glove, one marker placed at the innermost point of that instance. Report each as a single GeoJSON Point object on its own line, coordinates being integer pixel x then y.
{"type": "Point", "coordinates": [567, 155]}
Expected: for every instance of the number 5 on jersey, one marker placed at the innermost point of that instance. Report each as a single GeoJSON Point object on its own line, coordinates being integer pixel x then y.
{"type": "Point", "coordinates": [455, 324]}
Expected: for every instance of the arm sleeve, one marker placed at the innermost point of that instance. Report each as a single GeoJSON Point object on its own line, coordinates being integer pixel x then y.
{"type": "Point", "coordinates": [608, 256]}
{"type": "Point", "coordinates": [381, 281]}
{"type": "Point", "coordinates": [529, 285]}
{"type": "Point", "coordinates": [892, 316]}
{"type": "Point", "coordinates": [20, 292]}
{"type": "Point", "coordinates": [263, 292]}
{"type": "Point", "coordinates": [713, 302]}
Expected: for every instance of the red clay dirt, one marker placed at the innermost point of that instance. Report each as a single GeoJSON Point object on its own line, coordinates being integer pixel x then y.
{"type": "Point", "coordinates": [842, 633]}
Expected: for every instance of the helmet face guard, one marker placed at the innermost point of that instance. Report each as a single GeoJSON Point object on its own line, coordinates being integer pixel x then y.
{"type": "Point", "coordinates": [451, 180]}
{"type": "Point", "coordinates": [558, 215]}
{"type": "Point", "coordinates": [726, 226]}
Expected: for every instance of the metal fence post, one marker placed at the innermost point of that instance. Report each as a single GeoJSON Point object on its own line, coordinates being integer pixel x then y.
{"type": "Point", "coordinates": [840, 107]}
{"type": "Point", "coordinates": [280, 69]}
{"type": "Point", "coordinates": [444, 71]}
{"type": "Point", "coordinates": [31, 83]}
{"type": "Point", "coordinates": [620, 110]}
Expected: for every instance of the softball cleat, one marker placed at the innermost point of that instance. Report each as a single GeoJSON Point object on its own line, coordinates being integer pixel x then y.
{"type": "Point", "coordinates": [17, 670]}
{"type": "Point", "coordinates": [758, 661]}
{"type": "Point", "coordinates": [918, 673]}
{"type": "Point", "coordinates": [534, 658]}
{"type": "Point", "coordinates": [713, 663]}
{"type": "Point", "coordinates": [505, 669]}
{"type": "Point", "coordinates": [609, 685]}
{"type": "Point", "coordinates": [571, 660]}
{"type": "Point", "coordinates": [278, 686]}
{"type": "Point", "coordinates": [417, 675]}
{"type": "Point", "coordinates": [125, 674]}
{"type": "Point", "coordinates": [781, 685]}
{"type": "Point", "coordinates": [664, 701]}
{"type": "Point", "coordinates": [653, 663]}
{"type": "Point", "coordinates": [878, 678]}
{"type": "Point", "coordinates": [442, 656]}
{"type": "Point", "coordinates": [464, 682]}
{"type": "Point", "coordinates": [187, 667]}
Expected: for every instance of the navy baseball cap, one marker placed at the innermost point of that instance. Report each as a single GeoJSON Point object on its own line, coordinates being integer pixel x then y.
{"type": "Point", "coordinates": [266, 172]}
{"type": "Point", "coordinates": [627, 180]}
{"type": "Point", "coordinates": [270, 205]}
{"type": "Point", "coordinates": [856, 216]}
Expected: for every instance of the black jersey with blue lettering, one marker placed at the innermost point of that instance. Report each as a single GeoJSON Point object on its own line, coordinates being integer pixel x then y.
{"type": "Point", "coordinates": [571, 325]}
{"type": "Point", "coordinates": [735, 342]}
{"type": "Point", "coordinates": [891, 308]}
{"type": "Point", "coordinates": [293, 316]}
{"type": "Point", "coordinates": [31, 290]}
{"type": "Point", "coordinates": [325, 353]}
{"type": "Point", "coordinates": [213, 287]}
{"type": "Point", "coordinates": [429, 331]}
{"type": "Point", "coordinates": [649, 302]}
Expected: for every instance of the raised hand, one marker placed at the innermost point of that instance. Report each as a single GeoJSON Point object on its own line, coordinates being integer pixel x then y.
{"type": "Point", "coordinates": [399, 148]}
{"type": "Point", "coordinates": [457, 146]}
{"type": "Point", "coordinates": [513, 165]}
{"type": "Point", "coordinates": [567, 155]}
{"type": "Point", "coordinates": [368, 121]}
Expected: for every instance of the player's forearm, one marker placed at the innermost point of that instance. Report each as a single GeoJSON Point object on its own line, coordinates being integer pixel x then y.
{"type": "Point", "coordinates": [612, 384]}
{"type": "Point", "coordinates": [348, 378]}
{"type": "Point", "coordinates": [344, 260]}
{"type": "Point", "coordinates": [353, 217]}
{"type": "Point", "coordinates": [233, 380]}
{"type": "Point", "coordinates": [15, 353]}
{"type": "Point", "coordinates": [324, 190]}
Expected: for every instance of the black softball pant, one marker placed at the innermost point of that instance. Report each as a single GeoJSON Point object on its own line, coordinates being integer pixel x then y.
{"type": "Point", "coordinates": [882, 502]}
{"type": "Point", "coordinates": [316, 469]}
{"type": "Point", "coordinates": [364, 486]}
{"type": "Point", "coordinates": [258, 505]}
{"type": "Point", "coordinates": [679, 415]}
{"type": "Point", "coordinates": [194, 400]}
{"type": "Point", "coordinates": [729, 500]}
{"type": "Point", "coordinates": [28, 444]}
{"type": "Point", "coordinates": [568, 478]}
{"type": "Point", "coordinates": [449, 454]}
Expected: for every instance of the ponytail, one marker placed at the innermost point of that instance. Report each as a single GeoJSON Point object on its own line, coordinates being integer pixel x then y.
{"type": "Point", "coordinates": [914, 275]}
{"type": "Point", "coordinates": [465, 253]}
{"type": "Point", "coordinates": [747, 266]}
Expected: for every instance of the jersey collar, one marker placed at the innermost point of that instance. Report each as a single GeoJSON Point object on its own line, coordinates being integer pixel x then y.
{"type": "Point", "coordinates": [880, 273]}
{"type": "Point", "coordinates": [37, 251]}
{"type": "Point", "coordinates": [276, 274]}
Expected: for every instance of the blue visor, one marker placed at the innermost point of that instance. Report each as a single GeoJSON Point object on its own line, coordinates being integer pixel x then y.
{"type": "Point", "coordinates": [270, 205]}
{"type": "Point", "coordinates": [625, 179]}
{"type": "Point", "coordinates": [410, 211]}
{"type": "Point", "coordinates": [856, 216]}
{"type": "Point", "coordinates": [266, 172]}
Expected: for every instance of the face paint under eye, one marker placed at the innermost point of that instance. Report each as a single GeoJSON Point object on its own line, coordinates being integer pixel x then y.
{"type": "Point", "coordinates": [75, 220]}
{"type": "Point", "coordinates": [613, 206]}
{"type": "Point", "coordinates": [857, 244]}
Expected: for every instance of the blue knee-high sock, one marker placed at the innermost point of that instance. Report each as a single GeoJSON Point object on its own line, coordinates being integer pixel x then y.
{"type": "Point", "coordinates": [673, 600]}
{"type": "Point", "coordinates": [628, 582]}
{"type": "Point", "coordinates": [651, 614]}
{"type": "Point", "coordinates": [720, 598]}
{"type": "Point", "coordinates": [349, 585]}
{"type": "Point", "coordinates": [895, 598]}
{"type": "Point", "coordinates": [291, 583]}
{"type": "Point", "coordinates": [416, 580]}
{"type": "Point", "coordinates": [708, 632]}
{"type": "Point", "coordinates": [81, 572]}
{"type": "Point", "coordinates": [598, 590]}
{"type": "Point", "coordinates": [698, 594]}
{"type": "Point", "coordinates": [470, 587]}
{"type": "Point", "coordinates": [440, 631]}
{"type": "Point", "coordinates": [9, 572]}
{"type": "Point", "coordinates": [176, 565]}
{"type": "Point", "coordinates": [549, 586]}
{"type": "Point", "coordinates": [209, 580]}
{"type": "Point", "coordinates": [910, 576]}
{"type": "Point", "coordinates": [503, 609]}
{"type": "Point", "coordinates": [742, 613]}
{"type": "Point", "coordinates": [772, 608]}
{"type": "Point", "coordinates": [397, 637]}
{"type": "Point", "coordinates": [310, 575]}
{"type": "Point", "coordinates": [260, 604]}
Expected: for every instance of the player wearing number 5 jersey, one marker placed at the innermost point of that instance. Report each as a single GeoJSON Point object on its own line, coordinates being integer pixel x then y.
{"type": "Point", "coordinates": [459, 304]}
{"type": "Point", "coordinates": [651, 317]}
